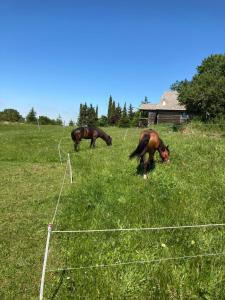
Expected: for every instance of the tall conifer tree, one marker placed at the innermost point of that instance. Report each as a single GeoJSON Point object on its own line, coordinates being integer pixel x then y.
{"type": "Point", "coordinates": [110, 108]}
{"type": "Point", "coordinates": [31, 117]}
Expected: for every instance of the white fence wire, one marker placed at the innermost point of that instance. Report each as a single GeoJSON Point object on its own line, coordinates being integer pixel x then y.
{"type": "Point", "coordinates": [138, 262]}
{"type": "Point", "coordinates": [141, 228]}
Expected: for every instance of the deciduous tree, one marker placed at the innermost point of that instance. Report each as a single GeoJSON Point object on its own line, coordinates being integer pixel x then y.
{"type": "Point", "coordinates": [204, 94]}
{"type": "Point", "coordinates": [11, 115]}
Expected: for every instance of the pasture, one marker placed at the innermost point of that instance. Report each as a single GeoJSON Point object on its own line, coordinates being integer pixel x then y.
{"type": "Point", "coordinates": [107, 193]}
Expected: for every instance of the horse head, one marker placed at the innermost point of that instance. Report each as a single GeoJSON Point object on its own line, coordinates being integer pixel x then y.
{"type": "Point", "coordinates": [164, 153]}
{"type": "Point", "coordinates": [109, 140]}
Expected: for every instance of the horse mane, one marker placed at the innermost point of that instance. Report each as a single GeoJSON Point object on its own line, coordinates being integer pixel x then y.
{"type": "Point", "coordinates": [101, 133]}
{"type": "Point", "coordinates": [162, 146]}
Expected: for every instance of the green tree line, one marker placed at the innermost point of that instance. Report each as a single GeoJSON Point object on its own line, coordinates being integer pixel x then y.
{"type": "Point", "coordinates": [116, 115]}
{"type": "Point", "coordinates": [12, 115]}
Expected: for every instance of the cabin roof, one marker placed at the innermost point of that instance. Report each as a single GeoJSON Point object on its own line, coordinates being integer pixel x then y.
{"type": "Point", "coordinates": [168, 101]}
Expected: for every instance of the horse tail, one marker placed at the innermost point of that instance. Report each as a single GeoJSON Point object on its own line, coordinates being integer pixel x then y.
{"type": "Point", "coordinates": [141, 148]}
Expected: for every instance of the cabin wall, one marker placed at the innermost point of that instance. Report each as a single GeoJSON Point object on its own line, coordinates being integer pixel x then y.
{"type": "Point", "coordinates": [152, 117]}
{"type": "Point", "coordinates": [164, 116]}
{"type": "Point", "coordinates": [172, 117]}
{"type": "Point", "coordinates": [169, 117]}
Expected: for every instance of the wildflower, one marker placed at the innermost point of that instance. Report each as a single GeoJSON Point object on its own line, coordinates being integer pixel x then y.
{"type": "Point", "coordinates": [192, 242]}
{"type": "Point", "coordinates": [163, 245]}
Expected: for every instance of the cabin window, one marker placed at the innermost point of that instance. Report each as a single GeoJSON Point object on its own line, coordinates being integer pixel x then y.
{"type": "Point", "coordinates": [144, 114]}
{"type": "Point", "coordinates": [184, 115]}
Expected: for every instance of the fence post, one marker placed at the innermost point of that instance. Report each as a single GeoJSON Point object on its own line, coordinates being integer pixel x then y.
{"type": "Point", "coordinates": [38, 124]}
{"type": "Point", "coordinates": [70, 169]}
{"type": "Point", "coordinates": [125, 135]}
{"type": "Point", "coordinates": [45, 262]}
{"type": "Point", "coordinates": [59, 150]}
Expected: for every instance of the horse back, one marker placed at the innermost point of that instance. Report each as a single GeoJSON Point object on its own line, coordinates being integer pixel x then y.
{"type": "Point", "coordinates": [84, 133]}
{"type": "Point", "coordinates": [153, 139]}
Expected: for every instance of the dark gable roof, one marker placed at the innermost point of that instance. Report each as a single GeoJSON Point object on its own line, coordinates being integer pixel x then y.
{"type": "Point", "coordinates": [168, 101]}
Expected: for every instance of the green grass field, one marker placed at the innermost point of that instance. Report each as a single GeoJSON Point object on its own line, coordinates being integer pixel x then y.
{"type": "Point", "coordinates": [107, 193]}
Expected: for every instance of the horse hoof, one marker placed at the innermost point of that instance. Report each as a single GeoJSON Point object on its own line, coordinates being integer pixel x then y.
{"type": "Point", "coordinates": [145, 176]}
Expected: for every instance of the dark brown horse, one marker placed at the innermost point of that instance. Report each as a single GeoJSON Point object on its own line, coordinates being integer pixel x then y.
{"type": "Point", "coordinates": [89, 133]}
{"type": "Point", "coordinates": [149, 142]}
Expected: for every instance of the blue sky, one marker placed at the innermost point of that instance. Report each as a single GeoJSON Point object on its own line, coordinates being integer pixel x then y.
{"type": "Point", "coordinates": [55, 54]}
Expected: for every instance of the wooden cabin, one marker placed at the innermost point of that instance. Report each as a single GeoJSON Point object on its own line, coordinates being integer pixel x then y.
{"type": "Point", "coordinates": [167, 111]}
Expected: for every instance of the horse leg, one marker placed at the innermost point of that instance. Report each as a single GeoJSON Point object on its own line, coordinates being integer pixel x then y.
{"type": "Point", "coordinates": [151, 159]}
{"type": "Point", "coordinates": [146, 161]}
{"type": "Point", "coordinates": [145, 169]}
{"type": "Point", "coordinates": [91, 144]}
{"type": "Point", "coordinates": [76, 145]}
{"type": "Point", "coordinates": [142, 162]}
{"type": "Point", "coordinates": [148, 164]}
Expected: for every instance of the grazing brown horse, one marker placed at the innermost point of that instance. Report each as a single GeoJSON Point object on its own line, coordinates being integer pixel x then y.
{"type": "Point", "coordinates": [149, 142]}
{"type": "Point", "coordinates": [89, 133]}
